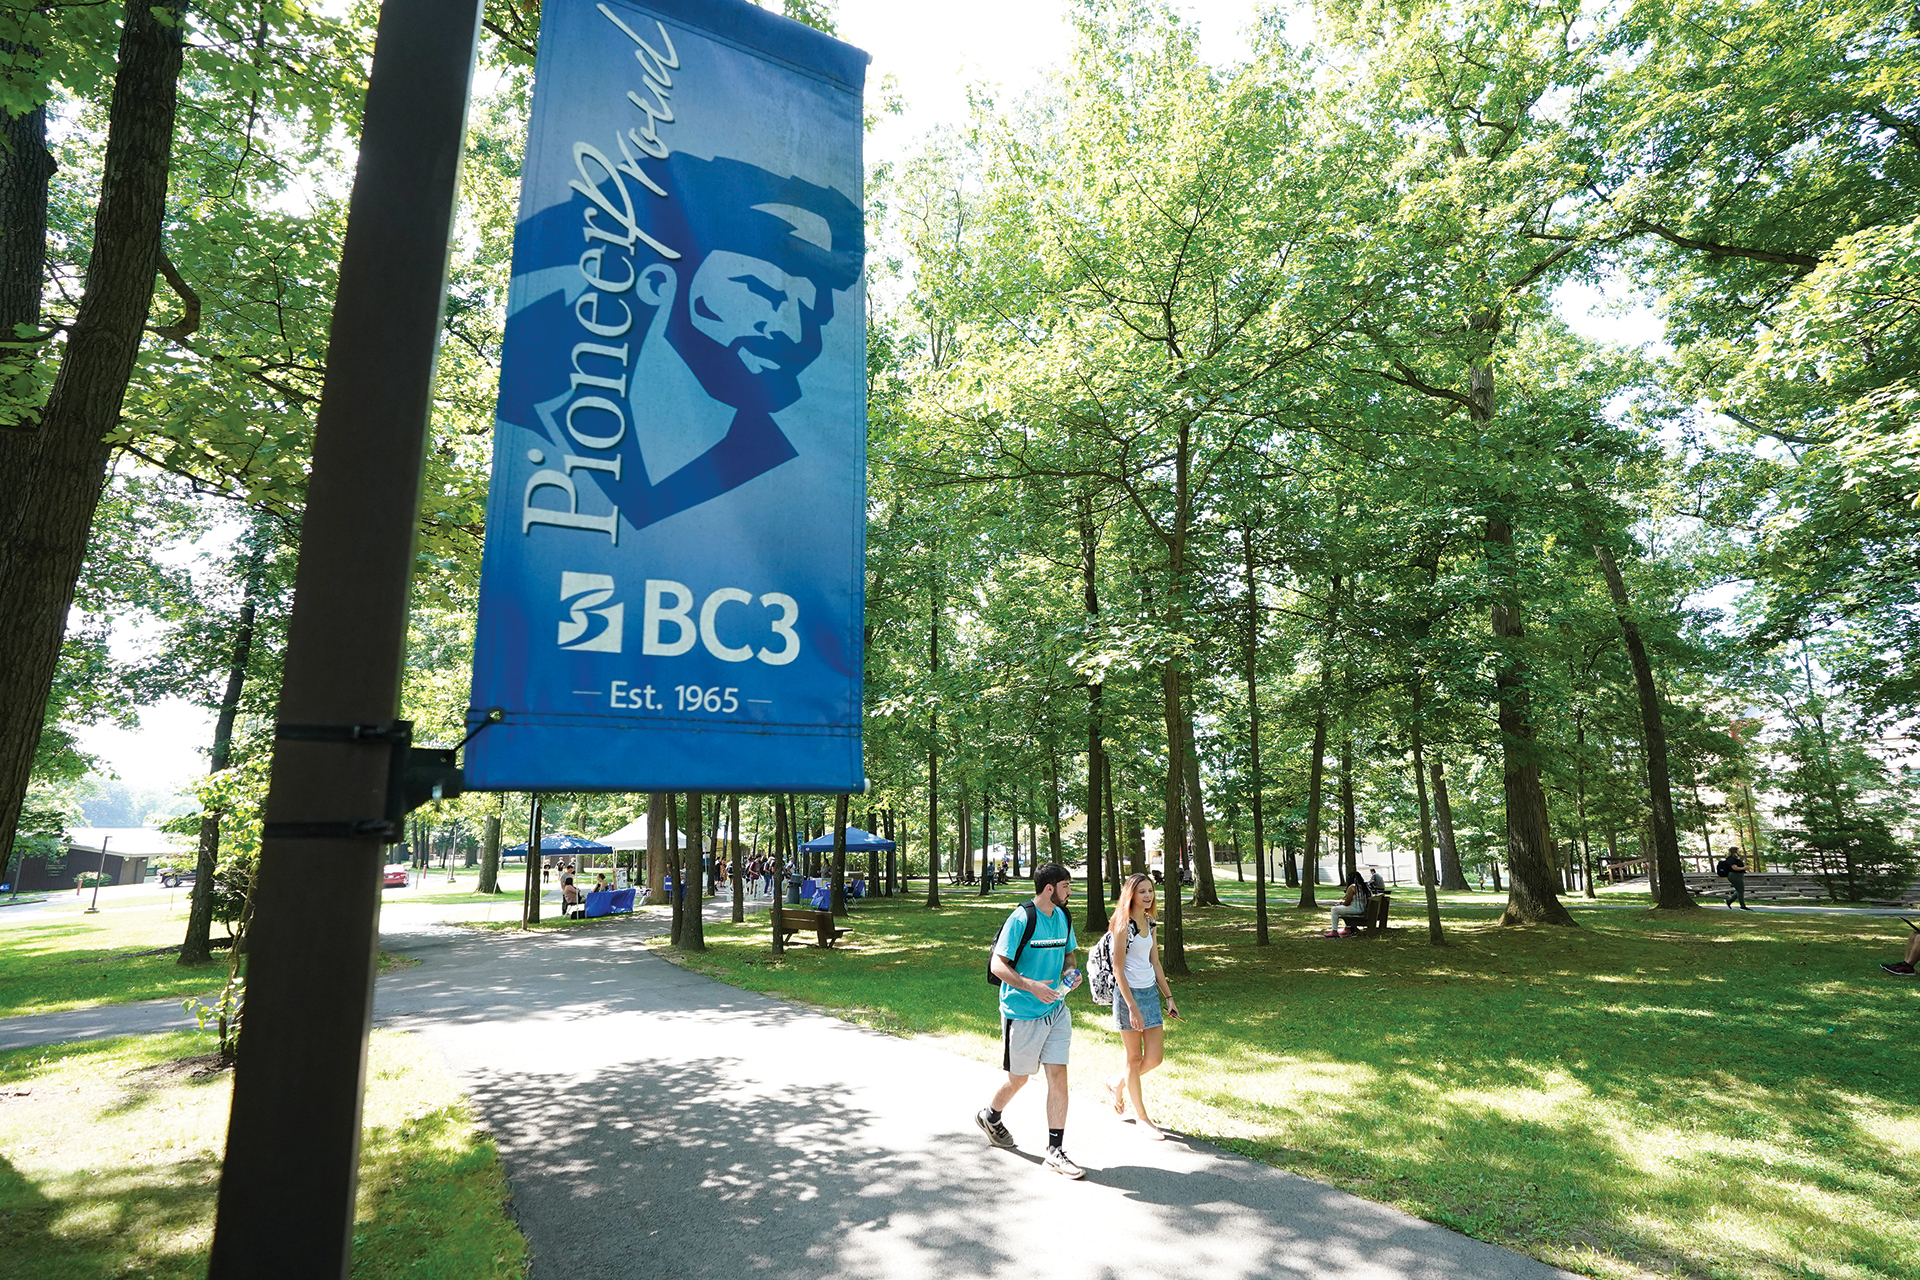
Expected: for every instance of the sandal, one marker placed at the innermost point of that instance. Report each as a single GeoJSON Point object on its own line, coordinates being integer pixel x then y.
{"type": "Point", "coordinates": [1119, 1092]}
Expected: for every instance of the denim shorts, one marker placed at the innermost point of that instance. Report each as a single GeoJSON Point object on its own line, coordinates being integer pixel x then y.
{"type": "Point", "coordinates": [1148, 999]}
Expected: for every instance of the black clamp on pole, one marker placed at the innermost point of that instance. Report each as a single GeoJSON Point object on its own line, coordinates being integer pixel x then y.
{"type": "Point", "coordinates": [415, 775]}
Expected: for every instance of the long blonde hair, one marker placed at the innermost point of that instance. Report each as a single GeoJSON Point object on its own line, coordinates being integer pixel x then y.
{"type": "Point", "coordinates": [1123, 907]}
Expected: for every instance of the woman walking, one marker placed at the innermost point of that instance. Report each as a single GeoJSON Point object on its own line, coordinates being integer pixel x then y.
{"type": "Point", "coordinates": [1138, 985]}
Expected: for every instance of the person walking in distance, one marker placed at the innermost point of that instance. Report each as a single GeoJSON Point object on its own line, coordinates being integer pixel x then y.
{"type": "Point", "coordinates": [1139, 985]}
{"type": "Point", "coordinates": [1734, 868]}
{"type": "Point", "coordinates": [1030, 959]}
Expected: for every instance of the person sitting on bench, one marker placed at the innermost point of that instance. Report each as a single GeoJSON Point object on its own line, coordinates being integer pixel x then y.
{"type": "Point", "coordinates": [1351, 907]}
{"type": "Point", "coordinates": [1903, 968]}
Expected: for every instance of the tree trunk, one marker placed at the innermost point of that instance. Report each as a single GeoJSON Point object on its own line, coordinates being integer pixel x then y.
{"type": "Point", "coordinates": [530, 899]}
{"type": "Point", "coordinates": [656, 847]}
{"type": "Point", "coordinates": [776, 908]}
{"type": "Point", "coordinates": [739, 870]}
{"type": "Point", "coordinates": [1451, 875]}
{"type": "Point", "coordinates": [838, 901]}
{"type": "Point", "coordinates": [676, 863]}
{"type": "Point", "coordinates": [1096, 757]}
{"type": "Point", "coordinates": [963, 848]}
{"type": "Point", "coordinates": [1173, 953]}
{"type": "Point", "coordinates": [873, 859]}
{"type": "Point", "coordinates": [693, 929]}
{"type": "Point", "coordinates": [1255, 781]}
{"type": "Point", "coordinates": [1317, 767]}
{"type": "Point", "coordinates": [196, 948]}
{"type": "Point", "coordinates": [1316, 804]}
{"type": "Point", "coordinates": [1113, 827]}
{"type": "Point", "coordinates": [1671, 892]}
{"type": "Point", "coordinates": [895, 856]}
{"type": "Point", "coordinates": [986, 838]}
{"type": "Point", "coordinates": [710, 871]}
{"type": "Point", "coordinates": [933, 758]}
{"type": "Point", "coordinates": [1026, 870]}
{"type": "Point", "coordinates": [1205, 892]}
{"type": "Point", "coordinates": [25, 167]}
{"type": "Point", "coordinates": [1349, 833]}
{"type": "Point", "coordinates": [1055, 852]}
{"type": "Point", "coordinates": [1136, 841]}
{"type": "Point", "coordinates": [1532, 896]}
{"type": "Point", "coordinates": [54, 474]}
{"type": "Point", "coordinates": [490, 856]}
{"type": "Point", "coordinates": [1435, 934]}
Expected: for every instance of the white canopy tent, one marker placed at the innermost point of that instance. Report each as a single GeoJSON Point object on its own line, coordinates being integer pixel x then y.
{"type": "Point", "coordinates": [634, 836]}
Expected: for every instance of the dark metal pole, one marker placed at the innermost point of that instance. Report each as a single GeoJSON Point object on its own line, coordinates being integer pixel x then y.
{"type": "Point", "coordinates": [94, 906]}
{"type": "Point", "coordinates": [293, 1142]}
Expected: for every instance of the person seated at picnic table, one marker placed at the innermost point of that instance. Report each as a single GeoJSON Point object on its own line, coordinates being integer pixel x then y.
{"type": "Point", "coordinates": [1374, 883]}
{"type": "Point", "coordinates": [569, 894]}
{"type": "Point", "coordinates": [1352, 906]}
{"type": "Point", "coordinates": [600, 884]}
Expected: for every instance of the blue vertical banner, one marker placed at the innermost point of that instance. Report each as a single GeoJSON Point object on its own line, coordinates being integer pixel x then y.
{"type": "Point", "coordinates": [672, 586]}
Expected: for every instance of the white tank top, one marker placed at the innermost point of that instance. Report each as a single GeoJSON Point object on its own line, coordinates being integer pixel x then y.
{"type": "Point", "coordinates": [1140, 958]}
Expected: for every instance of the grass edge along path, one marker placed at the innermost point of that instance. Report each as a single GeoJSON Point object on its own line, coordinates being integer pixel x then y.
{"type": "Point", "coordinates": [110, 1162]}
{"type": "Point", "coordinates": [1729, 1097]}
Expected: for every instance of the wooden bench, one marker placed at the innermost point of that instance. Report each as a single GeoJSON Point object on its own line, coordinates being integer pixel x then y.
{"type": "Point", "coordinates": [820, 923]}
{"type": "Point", "coordinates": [1376, 918]}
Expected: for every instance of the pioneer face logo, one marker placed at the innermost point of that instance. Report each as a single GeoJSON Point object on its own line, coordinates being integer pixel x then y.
{"type": "Point", "coordinates": [594, 625]}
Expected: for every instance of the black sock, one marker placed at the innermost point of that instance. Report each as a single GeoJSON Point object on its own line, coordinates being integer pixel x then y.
{"type": "Point", "coordinates": [1056, 1136]}
{"type": "Point", "coordinates": [993, 1117]}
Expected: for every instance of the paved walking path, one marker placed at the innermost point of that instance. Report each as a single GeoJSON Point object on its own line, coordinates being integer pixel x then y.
{"type": "Point", "coordinates": [652, 1121]}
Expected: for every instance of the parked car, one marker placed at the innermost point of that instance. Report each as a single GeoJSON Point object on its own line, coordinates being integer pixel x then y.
{"type": "Point", "coordinates": [174, 879]}
{"type": "Point", "coordinates": [396, 877]}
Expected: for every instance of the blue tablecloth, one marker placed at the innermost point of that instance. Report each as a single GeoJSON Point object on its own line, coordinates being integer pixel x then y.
{"type": "Point", "coordinates": [808, 887]}
{"type": "Point", "coordinates": [823, 898]}
{"type": "Point", "coordinates": [609, 902]}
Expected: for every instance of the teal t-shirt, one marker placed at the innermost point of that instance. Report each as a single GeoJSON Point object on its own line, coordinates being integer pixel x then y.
{"type": "Point", "coordinates": [1042, 961]}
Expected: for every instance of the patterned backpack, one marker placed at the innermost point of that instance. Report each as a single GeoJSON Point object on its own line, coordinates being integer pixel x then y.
{"type": "Point", "coordinates": [1100, 979]}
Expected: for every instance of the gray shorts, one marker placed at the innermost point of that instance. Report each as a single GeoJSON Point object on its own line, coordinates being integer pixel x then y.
{"type": "Point", "coordinates": [1028, 1042]}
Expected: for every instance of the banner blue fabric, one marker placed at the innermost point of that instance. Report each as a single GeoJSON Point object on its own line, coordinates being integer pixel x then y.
{"type": "Point", "coordinates": [672, 586]}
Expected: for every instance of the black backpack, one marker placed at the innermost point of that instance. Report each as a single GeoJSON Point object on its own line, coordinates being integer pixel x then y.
{"type": "Point", "coordinates": [1033, 918]}
{"type": "Point", "coordinates": [1720, 867]}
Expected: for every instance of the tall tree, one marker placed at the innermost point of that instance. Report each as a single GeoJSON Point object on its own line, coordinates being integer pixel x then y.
{"type": "Point", "coordinates": [196, 948]}
{"type": "Point", "coordinates": [56, 471]}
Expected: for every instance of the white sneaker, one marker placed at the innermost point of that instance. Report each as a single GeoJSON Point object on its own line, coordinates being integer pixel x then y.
{"type": "Point", "coordinates": [1058, 1162]}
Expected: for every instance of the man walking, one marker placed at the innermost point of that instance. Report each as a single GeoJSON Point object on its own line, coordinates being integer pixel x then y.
{"type": "Point", "coordinates": [1734, 868]}
{"type": "Point", "coordinates": [1030, 959]}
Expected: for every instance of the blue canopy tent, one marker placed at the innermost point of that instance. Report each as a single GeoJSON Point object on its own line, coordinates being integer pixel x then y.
{"type": "Point", "coordinates": [858, 841]}
{"type": "Point", "coordinates": [558, 844]}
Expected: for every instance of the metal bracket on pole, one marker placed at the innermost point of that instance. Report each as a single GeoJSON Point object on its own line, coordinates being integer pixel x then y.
{"type": "Point", "coordinates": [415, 775]}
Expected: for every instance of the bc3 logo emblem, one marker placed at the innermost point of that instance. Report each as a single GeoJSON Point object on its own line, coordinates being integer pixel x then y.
{"type": "Point", "coordinates": [590, 629]}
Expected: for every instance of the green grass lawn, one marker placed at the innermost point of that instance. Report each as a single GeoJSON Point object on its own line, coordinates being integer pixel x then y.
{"type": "Point", "coordinates": [1725, 1095]}
{"type": "Point", "coordinates": [110, 1159]}
{"type": "Point", "coordinates": [61, 958]}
